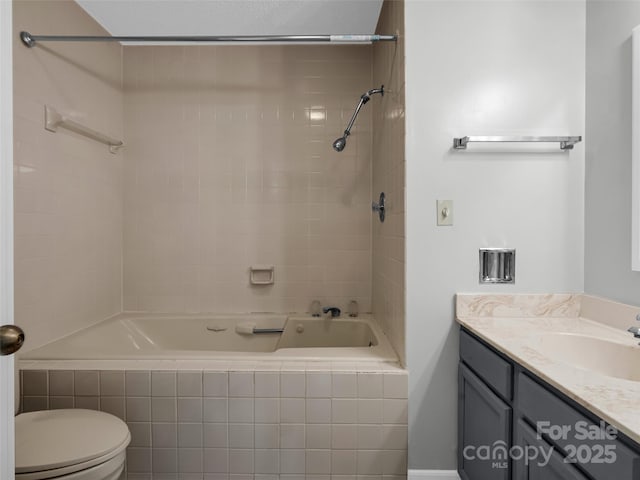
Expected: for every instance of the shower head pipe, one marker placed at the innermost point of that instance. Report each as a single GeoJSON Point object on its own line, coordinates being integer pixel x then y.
{"type": "Point", "coordinates": [341, 142]}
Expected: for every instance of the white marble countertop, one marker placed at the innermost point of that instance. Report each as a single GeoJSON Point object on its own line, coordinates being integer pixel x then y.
{"type": "Point", "coordinates": [516, 325]}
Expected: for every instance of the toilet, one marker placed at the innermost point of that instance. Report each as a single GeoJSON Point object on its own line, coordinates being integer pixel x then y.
{"type": "Point", "coordinates": [69, 444]}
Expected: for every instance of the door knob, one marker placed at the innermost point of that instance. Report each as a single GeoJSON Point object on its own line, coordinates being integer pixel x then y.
{"type": "Point", "coordinates": [11, 339]}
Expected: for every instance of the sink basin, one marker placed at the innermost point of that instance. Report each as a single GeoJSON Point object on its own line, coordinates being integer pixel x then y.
{"type": "Point", "coordinates": [605, 357]}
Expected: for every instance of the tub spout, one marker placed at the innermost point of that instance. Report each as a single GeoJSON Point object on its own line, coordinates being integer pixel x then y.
{"type": "Point", "coordinates": [335, 311]}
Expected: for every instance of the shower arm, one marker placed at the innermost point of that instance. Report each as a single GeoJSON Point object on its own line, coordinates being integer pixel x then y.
{"type": "Point", "coordinates": [363, 99]}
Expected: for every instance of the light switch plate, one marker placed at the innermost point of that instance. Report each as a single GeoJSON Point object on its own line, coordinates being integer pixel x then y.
{"type": "Point", "coordinates": [444, 211]}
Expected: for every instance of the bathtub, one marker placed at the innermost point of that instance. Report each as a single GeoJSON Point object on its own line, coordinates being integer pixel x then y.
{"type": "Point", "coordinates": [190, 387]}
{"type": "Point", "coordinates": [223, 337]}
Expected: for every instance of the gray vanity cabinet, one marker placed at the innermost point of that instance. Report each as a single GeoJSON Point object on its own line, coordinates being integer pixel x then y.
{"type": "Point", "coordinates": [551, 466]}
{"type": "Point", "coordinates": [485, 420]}
{"type": "Point", "coordinates": [502, 407]}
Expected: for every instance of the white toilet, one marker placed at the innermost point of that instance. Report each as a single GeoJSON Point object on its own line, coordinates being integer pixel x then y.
{"type": "Point", "coordinates": [69, 444]}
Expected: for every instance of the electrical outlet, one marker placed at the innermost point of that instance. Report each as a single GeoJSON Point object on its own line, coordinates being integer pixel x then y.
{"type": "Point", "coordinates": [444, 212]}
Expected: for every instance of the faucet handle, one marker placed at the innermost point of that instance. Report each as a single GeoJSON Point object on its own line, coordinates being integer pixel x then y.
{"type": "Point", "coordinates": [638, 317]}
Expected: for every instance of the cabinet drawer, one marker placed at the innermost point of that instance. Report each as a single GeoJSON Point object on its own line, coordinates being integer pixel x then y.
{"type": "Point", "coordinates": [538, 404]}
{"type": "Point", "coordinates": [487, 364]}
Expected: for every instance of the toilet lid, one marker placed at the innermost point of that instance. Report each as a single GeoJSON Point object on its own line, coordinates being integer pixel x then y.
{"type": "Point", "coordinates": [51, 439]}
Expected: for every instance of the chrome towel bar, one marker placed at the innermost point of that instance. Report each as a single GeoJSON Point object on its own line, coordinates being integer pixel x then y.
{"type": "Point", "coordinates": [566, 143]}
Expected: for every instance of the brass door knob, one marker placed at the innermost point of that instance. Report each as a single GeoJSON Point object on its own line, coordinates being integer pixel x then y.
{"type": "Point", "coordinates": [11, 339]}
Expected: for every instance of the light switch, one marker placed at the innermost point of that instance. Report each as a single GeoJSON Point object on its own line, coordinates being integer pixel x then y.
{"type": "Point", "coordinates": [444, 212]}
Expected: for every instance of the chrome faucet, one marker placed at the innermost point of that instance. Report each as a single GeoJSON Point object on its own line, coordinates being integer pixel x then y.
{"type": "Point", "coordinates": [635, 330]}
{"type": "Point", "coordinates": [335, 311]}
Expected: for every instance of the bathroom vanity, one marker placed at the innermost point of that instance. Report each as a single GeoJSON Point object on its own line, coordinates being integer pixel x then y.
{"type": "Point", "coordinates": [525, 410]}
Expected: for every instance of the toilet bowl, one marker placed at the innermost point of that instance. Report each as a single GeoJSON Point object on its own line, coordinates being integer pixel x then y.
{"type": "Point", "coordinates": [69, 444]}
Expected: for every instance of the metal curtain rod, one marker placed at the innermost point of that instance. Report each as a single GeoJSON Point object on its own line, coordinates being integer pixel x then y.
{"type": "Point", "coordinates": [30, 40]}
{"type": "Point", "coordinates": [566, 143]}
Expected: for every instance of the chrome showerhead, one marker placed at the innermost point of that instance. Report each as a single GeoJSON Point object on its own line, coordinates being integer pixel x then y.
{"type": "Point", "coordinates": [341, 142]}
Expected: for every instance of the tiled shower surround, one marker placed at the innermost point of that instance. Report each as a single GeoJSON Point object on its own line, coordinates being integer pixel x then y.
{"type": "Point", "coordinates": [288, 423]}
{"type": "Point", "coordinates": [229, 163]}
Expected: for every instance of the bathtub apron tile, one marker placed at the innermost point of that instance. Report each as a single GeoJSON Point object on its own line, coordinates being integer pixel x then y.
{"type": "Point", "coordinates": [112, 383]}
{"type": "Point", "coordinates": [241, 410]}
{"type": "Point", "coordinates": [164, 460]}
{"type": "Point", "coordinates": [190, 409]}
{"type": "Point", "coordinates": [35, 382]}
{"type": "Point", "coordinates": [190, 435]}
{"type": "Point", "coordinates": [267, 384]}
{"type": "Point", "coordinates": [370, 385]}
{"type": "Point", "coordinates": [267, 436]}
{"type": "Point", "coordinates": [292, 410]}
{"type": "Point", "coordinates": [241, 384]}
{"type": "Point", "coordinates": [114, 406]}
{"type": "Point", "coordinates": [318, 385]}
{"type": "Point", "coordinates": [216, 435]}
{"type": "Point", "coordinates": [241, 435]}
{"type": "Point", "coordinates": [267, 461]}
{"type": "Point", "coordinates": [216, 460]}
{"type": "Point", "coordinates": [292, 384]}
{"type": "Point", "coordinates": [163, 384]}
{"type": "Point", "coordinates": [138, 409]}
{"type": "Point", "coordinates": [215, 384]}
{"type": "Point", "coordinates": [241, 461]}
{"type": "Point", "coordinates": [137, 383]}
{"type": "Point", "coordinates": [164, 435]}
{"type": "Point", "coordinates": [61, 402]}
{"type": "Point", "coordinates": [61, 382]}
{"type": "Point", "coordinates": [215, 410]}
{"type": "Point", "coordinates": [163, 409]}
{"type": "Point", "coordinates": [140, 434]}
{"type": "Point", "coordinates": [267, 410]}
{"type": "Point", "coordinates": [87, 383]}
{"type": "Point", "coordinates": [90, 403]}
{"type": "Point", "coordinates": [189, 384]}
{"type": "Point", "coordinates": [292, 461]}
{"type": "Point", "coordinates": [189, 461]}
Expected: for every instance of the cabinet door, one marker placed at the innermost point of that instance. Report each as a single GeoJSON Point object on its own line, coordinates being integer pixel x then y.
{"type": "Point", "coordinates": [484, 426]}
{"type": "Point", "coordinates": [539, 461]}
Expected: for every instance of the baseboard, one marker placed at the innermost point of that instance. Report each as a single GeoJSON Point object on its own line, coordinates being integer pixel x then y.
{"type": "Point", "coordinates": [433, 475]}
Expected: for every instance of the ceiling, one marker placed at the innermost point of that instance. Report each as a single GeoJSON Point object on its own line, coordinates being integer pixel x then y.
{"type": "Point", "coordinates": [235, 17]}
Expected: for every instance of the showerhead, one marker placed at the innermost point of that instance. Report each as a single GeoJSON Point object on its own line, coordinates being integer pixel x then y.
{"type": "Point", "coordinates": [341, 142]}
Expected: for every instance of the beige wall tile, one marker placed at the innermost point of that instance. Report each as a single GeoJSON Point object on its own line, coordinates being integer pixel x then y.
{"type": "Point", "coordinates": [388, 176]}
{"type": "Point", "coordinates": [230, 164]}
{"type": "Point", "coordinates": [68, 189]}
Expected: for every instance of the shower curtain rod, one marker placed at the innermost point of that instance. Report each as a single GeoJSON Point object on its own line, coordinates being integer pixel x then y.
{"type": "Point", "coordinates": [30, 40]}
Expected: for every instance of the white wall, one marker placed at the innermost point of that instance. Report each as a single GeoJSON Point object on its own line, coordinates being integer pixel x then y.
{"type": "Point", "coordinates": [608, 153]}
{"type": "Point", "coordinates": [482, 68]}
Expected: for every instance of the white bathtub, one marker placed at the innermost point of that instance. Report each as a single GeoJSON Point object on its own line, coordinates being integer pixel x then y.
{"type": "Point", "coordinates": [223, 337]}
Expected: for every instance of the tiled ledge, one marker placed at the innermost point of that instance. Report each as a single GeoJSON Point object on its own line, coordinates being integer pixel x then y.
{"type": "Point", "coordinates": [240, 424]}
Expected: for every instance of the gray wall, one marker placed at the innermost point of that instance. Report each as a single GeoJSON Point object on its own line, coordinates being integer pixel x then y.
{"type": "Point", "coordinates": [485, 68]}
{"type": "Point", "coordinates": [608, 151]}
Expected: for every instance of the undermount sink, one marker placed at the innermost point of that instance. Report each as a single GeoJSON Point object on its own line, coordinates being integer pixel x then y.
{"type": "Point", "coordinates": [605, 357]}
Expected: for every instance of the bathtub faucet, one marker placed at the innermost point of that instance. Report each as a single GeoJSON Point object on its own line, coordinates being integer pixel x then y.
{"type": "Point", "coordinates": [335, 311]}
{"type": "Point", "coordinates": [635, 330]}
